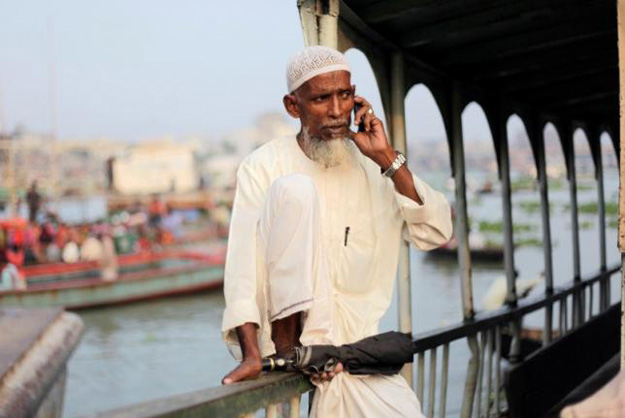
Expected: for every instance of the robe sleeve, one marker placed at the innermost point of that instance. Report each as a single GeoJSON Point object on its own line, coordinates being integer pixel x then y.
{"type": "Point", "coordinates": [240, 281]}
{"type": "Point", "coordinates": [429, 225]}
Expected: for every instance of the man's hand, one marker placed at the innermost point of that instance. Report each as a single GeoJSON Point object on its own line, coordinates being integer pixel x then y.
{"type": "Point", "coordinates": [326, 376]}
{"type": "Point", "coordinates": [373, 142]}
{"type": "Point", "coordinates": [249, 368]}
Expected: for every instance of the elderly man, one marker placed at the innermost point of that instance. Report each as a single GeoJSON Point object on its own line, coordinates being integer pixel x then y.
{"type": "Point", "coordinates": [315, 236]}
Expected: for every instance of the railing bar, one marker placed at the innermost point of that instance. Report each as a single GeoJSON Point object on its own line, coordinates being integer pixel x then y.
{"type": "Point", "coordinates": [444, 374]}
{"type": "Point", "coordinates": [435, 338]}
{"type": "Point", "coordinates": [566, 313]}
{"type": "Point", "coordinates": [470, 383]}
{"type": "Point", "coordinates": [561, 318]}
{"type": "Point", "coordinates": [548, 324]}
{"type": "Point", "coordinates": [432, 387]}
{"type": "Point", "coordinates": [482, 348]}
{"type": "Point", "coordinates": [591, 296]}
{"type": "Point", "coordinates": [294, 406]}
{"type": "Point", "coordinates": [582, 307]}
{"type": "Point", "coordinates": [420, 380]}
{"type": "Point", "coordinates": [497, 369]}
{"type": "Point", "coordinates": [271, 411]}
{"type": "Point", "coordinates": [489, 370]}
{"type": "Point", "coordinates": [606, 297]}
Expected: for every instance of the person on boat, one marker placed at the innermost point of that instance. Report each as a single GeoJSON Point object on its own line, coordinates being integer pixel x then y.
{"type": "Point", "coordinates": [10, 278]}
{"type": "Point", "coordinates": [34, 202]}
{"type": "Point", "coordinates": [71, 250]}
{"type": "Point", "coordinates": [91, 248]}
{"type": "Point", "coordinates": [108, 257]}
{"type": "Point", "coordinates": [315, 238]}
{"type": "Point", "coordinates": [13, 273]}
{"type": "Point", "coordinates": [156, 210]}
{"type": "Point", "coordinates": [50, 251]}
{"type": "Point", "coordinates": [31, 244]}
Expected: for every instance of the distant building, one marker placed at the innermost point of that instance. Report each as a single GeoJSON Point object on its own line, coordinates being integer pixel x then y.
{"type": "Point", "coordinates": [156, 167]}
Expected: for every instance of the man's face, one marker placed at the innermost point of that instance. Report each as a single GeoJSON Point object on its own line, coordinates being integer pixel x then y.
{"type": "Point", "coordinates": [324, 104]}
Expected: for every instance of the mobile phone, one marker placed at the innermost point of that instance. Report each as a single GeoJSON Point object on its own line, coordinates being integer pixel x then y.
{"type": "Point", "coordinates": [361, 125]}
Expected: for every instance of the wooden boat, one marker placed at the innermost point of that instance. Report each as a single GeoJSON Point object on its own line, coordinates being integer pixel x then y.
{"type": "Point", "coordinates": [142, 276]}
{"type": "Point", "coordinates": [486, 254]}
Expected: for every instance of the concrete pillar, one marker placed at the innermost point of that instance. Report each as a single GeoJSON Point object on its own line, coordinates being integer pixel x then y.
{"type": "Point", "coordinates": [398, 139]}
{"type": "Point", "coordinates": [36, 345]}
{"type": "Point", "coordinates": [319, 20]}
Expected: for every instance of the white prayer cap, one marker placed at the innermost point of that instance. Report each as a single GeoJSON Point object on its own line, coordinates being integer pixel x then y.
{"type": "Point", "coordinates": [312, 61]}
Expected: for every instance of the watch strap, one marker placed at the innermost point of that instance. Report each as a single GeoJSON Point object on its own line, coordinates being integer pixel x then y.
{"type": "Point", "coordinates": [399, 160]}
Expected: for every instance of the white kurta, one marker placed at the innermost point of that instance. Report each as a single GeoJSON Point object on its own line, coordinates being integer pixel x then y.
{"type": "Point", "coordinates": [362, 219]}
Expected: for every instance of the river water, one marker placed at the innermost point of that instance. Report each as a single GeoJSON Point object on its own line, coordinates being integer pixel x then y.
{"type": "Point", "coordinates": [144, 351]}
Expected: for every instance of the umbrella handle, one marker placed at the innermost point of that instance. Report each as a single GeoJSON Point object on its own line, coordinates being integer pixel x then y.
{"type": "Point", "coordinates": [275, 364]}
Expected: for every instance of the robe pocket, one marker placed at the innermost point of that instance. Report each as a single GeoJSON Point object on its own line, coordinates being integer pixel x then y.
{"type": "Point", "coordinates": [357, 264]}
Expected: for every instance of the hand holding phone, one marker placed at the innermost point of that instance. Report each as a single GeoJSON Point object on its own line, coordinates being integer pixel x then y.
{"type": "Point", "coordinates": [361, 125]}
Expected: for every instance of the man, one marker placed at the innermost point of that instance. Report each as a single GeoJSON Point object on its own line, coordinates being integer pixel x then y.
{"type": "Point", "coordinates": [34, 202]}
{"type": "Point", "coordinates": [315, 237]}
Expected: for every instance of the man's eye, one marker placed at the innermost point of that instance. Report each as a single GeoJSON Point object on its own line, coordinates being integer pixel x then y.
{"type": "Point", "coordinates": [347, 94]}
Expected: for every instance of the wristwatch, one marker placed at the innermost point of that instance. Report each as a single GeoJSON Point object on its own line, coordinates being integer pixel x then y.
{"type": "Point", "coordinates": [397, 163]}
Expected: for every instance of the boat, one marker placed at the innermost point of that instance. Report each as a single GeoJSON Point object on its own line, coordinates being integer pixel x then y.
{"type": "Point", "coordinates": [487, 254]}
{"type": "Point", "coordinates": [480, 252]}
{"type": "Point", "coordinates": [141, 276]}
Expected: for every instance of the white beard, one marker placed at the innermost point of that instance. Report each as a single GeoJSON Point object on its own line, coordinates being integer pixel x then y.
{"type": "Point", "coordinates": [329, 153]}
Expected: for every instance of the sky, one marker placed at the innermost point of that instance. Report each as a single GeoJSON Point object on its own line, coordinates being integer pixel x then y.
{"type": "Point", "coordinates": [141, 69]}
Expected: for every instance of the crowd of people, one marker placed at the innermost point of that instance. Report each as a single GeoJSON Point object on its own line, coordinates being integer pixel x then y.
{"type": "Point", "coordinates": [27, 243]}
{"type": "Point", "coordinates": [24, 243]}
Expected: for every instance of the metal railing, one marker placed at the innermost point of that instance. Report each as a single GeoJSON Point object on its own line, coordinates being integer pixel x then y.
{"type": "Point", "coordinates": [485, 333]}
{"type": "Point", "coordinates": [279, 394]}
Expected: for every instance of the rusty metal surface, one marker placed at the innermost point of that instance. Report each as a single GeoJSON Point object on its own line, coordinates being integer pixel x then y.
{"type": "Point", "coordinates": [19, 330]}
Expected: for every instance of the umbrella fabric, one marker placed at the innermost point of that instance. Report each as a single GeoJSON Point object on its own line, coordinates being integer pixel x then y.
{"type": "Point", "coordinates": [380, 354]}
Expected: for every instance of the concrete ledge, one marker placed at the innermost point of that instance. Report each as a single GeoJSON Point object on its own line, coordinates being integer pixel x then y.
{"type": "Point", "coordinates": [36, 345]}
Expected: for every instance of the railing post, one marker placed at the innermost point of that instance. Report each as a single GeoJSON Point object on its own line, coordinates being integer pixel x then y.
{"type": "Point", "coordinates": [398, 138]}
{"type": "Point", "coordinates": [461, 226]}
{"type": "Point", "coordinates": [543, 182]}
{"type": "Point", "coordinates": [506, 200]}
{"type": "Point", "coordinates": [603, 293]}
{"type": "Point", "coordinates": [461, 230]}
{"type": "Point", "coordinates": [577, 318]}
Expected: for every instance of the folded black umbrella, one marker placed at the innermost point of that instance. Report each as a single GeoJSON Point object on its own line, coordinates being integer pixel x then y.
{"type": "Point", "coordinates": [380, 354]}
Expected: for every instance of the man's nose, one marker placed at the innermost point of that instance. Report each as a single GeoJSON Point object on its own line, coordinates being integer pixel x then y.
{"type": "Point", "coordinates": [335, 107]}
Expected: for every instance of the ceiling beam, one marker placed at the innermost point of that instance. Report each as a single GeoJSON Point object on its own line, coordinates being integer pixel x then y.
{"type": "Point", "coordinates": [498, 21]}
{"type": "Point", "coordinates": [549, 78]}
{"type": "Point", "coordinates": [575, 54]}
{"type": "Point", "coordinates": [528, 41]}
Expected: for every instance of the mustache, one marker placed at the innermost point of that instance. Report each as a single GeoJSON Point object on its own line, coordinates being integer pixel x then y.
{"type": "Point", "coordinates": [341, 124]}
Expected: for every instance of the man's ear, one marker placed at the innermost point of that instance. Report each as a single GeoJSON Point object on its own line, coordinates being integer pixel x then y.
{"type": "Point", "coordinates": [290, 104]}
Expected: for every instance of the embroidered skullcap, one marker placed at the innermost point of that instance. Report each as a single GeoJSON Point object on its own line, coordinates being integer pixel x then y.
{"type": "Point", "coordinates": [313, 61]}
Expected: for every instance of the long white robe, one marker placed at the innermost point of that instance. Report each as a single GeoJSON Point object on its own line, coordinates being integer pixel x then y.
{"type": "Point", "coordinates": [362, 220]}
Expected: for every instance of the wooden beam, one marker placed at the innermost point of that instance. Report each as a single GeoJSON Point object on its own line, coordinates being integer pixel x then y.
{"type": "Point", "coordinates": [534, 81]}
{"type": "Point", "coordinates": [565, 90]}
{"type": "Point", "coordinates": [522, 58]}
{"type": "Point", "coordinates": [489, 23]}
{"type": "Point", "coordinates": [581, 100]}
{"type": "Point", "coordinates": [529, 41]}
{"type": "Point", "coordinates": [420, 11]}
{"type": "Point", "coordinates": [566, 58]}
